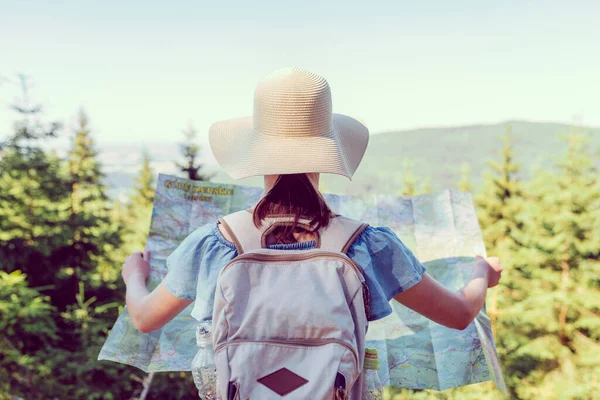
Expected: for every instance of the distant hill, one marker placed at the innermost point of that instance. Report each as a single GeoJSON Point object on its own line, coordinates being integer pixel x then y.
{"type": "Point", "coordinates": [438, 153]}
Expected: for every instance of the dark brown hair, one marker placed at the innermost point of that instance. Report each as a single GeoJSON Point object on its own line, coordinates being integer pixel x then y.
{"type": "Point", "coordinates": [294, 195]}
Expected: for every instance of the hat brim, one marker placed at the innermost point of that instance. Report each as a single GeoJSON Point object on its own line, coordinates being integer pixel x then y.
{"type": "Point", "coordinates": [243, 152]}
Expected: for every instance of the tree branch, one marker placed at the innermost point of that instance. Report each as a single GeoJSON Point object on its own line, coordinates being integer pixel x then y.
{"type": "Point", "coordinates": [147, 382]}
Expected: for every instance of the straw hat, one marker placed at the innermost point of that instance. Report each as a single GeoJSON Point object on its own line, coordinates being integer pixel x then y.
{"type": "Point", "coordinates": [293, 130]}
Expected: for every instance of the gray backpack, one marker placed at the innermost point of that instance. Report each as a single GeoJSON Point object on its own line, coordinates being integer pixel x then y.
{"type": "Point", "coordinates": [290, 324]}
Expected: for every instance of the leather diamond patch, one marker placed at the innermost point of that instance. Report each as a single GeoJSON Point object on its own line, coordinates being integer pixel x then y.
{"type": "Point", "coordinates": [283, 381]}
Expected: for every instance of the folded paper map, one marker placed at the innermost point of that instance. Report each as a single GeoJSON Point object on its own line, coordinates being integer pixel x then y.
{"type": "Point", "coordinates": [441, 229]}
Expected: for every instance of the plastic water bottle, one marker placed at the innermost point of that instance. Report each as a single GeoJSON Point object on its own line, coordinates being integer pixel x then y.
{"type": "Point", "coordinates": [203, 364]}
{"type": "Point", "coordinates": [372, 388]}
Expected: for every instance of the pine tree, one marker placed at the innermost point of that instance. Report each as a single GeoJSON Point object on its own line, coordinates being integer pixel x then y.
{"type": "Point", "coordinates": [31, 194]}
{"type": "Point", "coordinates": [87, 273]}
{"type": "Point", "coordinates": [190, 150]}
{"type": "Point", "coordinates": [29, 129]}
{"type": "Point", "coordinates": [427, 185]}
{"type": "Point", "coordinates": [93, 235]}
{"type": "Point", "coordinates": [139, 208]}
{"type": "Point", "coordinates": [464, 185]}
{"type": "Point", "coordinates": [498, 203]}
{"type": "Point", "coordinates": [144, 189]}
{"type": "Point", "coordinates": [498, 206]}
{"type": "Point", "coordinates": [554, 350]}
{"type": "Point", "coordinates": [409, 181]}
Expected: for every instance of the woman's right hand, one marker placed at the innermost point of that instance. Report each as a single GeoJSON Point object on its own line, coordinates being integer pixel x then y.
{"type": "Point", "coordinates": [494, 269]}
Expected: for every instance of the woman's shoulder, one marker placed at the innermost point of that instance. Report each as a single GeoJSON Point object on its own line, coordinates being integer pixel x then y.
{"type": "Point", "coordinates": [201, 254]}
{"type": "Point", "coordinates": [380, 243]}
{"type": "Point", "coordinates": [376, 236]}
{"type": "Point", "coordinates": [203, 245]}
{"type": "Point", "coordinates": [207, 235]}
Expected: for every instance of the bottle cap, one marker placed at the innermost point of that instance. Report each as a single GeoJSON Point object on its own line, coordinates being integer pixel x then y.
{"type": "Point", "coordinates": [203, 334]}
{"type": "Point", "coordinates": [371, 352]}
{"type": "Point", "coordinates": [371, 359]}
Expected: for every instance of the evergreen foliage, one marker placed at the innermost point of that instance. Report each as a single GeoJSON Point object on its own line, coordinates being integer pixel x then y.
{"type": "Point", "coordinates": [27, 335]}
{"type": "Point", "coordinates": [498, 205]}
{"type": "Point", "coordinates": [555, 319]}
{"type": "Point", "coordinates": [139, 209]}
{"type": "Point", "coordinates": [55, 252]}
{"type": "Point", "coordinates": [410, 186]}
{"type": "Point", "coordinates": [93, 237]}
{"type": "Point", "coordinates": [190, 150]}
{"type": "Point", "coordinates": [499, 202]}
{"type": "Point", "coordinates": [464, 185]}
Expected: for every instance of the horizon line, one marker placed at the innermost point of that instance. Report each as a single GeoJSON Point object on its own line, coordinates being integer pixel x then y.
{"type": "Point", "coordinates": [481, 124]}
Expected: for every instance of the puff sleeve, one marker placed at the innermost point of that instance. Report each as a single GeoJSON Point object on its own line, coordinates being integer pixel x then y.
{"type": "Point", "coordinates": [389, 267]}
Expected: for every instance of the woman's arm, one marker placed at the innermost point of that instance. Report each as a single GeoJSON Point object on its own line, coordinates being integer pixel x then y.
{"type": "Point", "coordinates": [452, 309]}
{"type": "Point", "coordinates": [149, 311]}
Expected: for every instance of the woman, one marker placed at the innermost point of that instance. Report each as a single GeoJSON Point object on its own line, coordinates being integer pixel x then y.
{"type": "Point", "coordinates": [291, 139]}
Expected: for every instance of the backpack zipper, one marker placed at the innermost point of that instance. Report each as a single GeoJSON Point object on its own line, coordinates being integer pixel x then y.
{"type": "Point", "coordinates": [293, 342]}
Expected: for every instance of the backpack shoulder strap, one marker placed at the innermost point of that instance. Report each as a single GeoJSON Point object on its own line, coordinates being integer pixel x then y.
{"type": "Point", "coordinates": [338, 237]}
{"type": "Point", "coordinates": [247, 237]}
{"type": "Point", "coordinates": [341, 233]}
{"type": "Point", "coordinates": [239, 226]}
{"type": "Point", "coordinates": [242, 231]}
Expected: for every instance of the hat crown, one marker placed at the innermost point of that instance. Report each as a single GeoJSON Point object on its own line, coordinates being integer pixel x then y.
{"type": "Point", "coordinates": [293, 102]}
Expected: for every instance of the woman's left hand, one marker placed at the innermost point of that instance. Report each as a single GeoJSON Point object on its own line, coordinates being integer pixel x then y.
{"type": "Point", "coordinates": [136, 263]}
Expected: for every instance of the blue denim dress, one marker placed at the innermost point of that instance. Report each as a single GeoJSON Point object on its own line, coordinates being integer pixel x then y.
{"type": "Point", "coordinates": [389, 267]}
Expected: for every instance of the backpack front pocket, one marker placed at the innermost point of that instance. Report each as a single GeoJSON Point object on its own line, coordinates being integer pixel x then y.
{"type": "Point", "coordinates": [297, 369]}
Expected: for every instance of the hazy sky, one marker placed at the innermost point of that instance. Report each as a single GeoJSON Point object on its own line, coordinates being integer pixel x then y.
{"type": "Point", "coordinates": [143, 69]}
